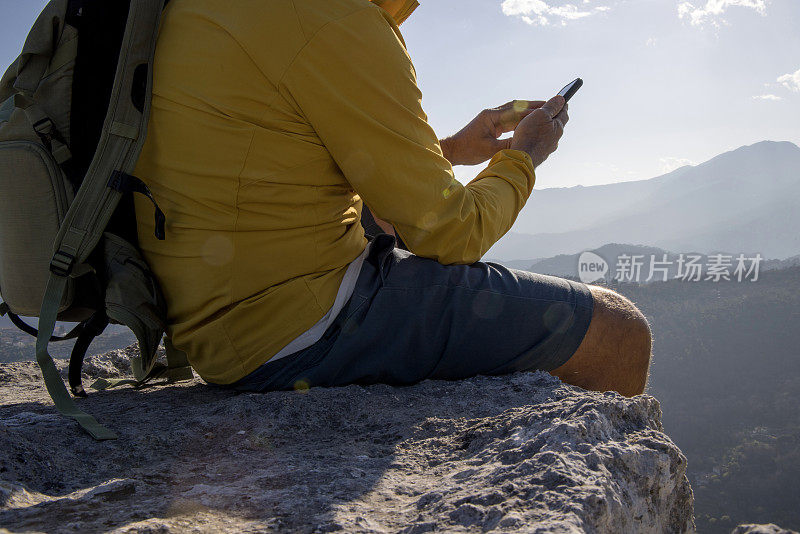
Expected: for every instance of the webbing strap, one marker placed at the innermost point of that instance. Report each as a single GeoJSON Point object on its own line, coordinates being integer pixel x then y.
{"type": "Point", "coordinates": [17, 321]}
{"type": "Point", "coordinates": [177, 361]}
{"type": "Point", "coordinates": [31, 331]}
{"type": "Point", "coordinates": [102, 384]}
{"type": "Point", "coordinates": [127, 131]}
{"type": "Point", "coordinates": [126, 183]}
{"type": "Point", "coordinates": [170, 375]}
{"type": "Point", "coordinates": [176, 370]}
{"type": "Point", "coordinates": [93, 327]}
{"type": "Point", "coordinates": [52, 379]}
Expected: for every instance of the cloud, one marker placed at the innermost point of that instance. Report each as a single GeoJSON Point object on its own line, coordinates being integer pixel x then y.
{"type": "Point", "coordinates": [652, 42]}
{"type": "Point", "coordinates": [545, 12]}
{"type": "Point", "coordinates": [669, 163]}
{"type": "Point", "coordinates": [791, 81]}
{"type": "Point", "coordinates": [713, 10]}
{"type": "Point", "coordinates": [774, 98]}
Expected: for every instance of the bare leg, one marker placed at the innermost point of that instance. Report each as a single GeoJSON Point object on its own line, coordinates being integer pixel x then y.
{"type": "Point", "coordinates": [615, 354]}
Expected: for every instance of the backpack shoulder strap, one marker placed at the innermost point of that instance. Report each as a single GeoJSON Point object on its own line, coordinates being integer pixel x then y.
{"type": "Point", "coordinates": [118, 150]}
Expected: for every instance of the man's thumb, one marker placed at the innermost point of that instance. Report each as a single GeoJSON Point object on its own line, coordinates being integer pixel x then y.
{"type": "Point", "coordinates": [554, 106]}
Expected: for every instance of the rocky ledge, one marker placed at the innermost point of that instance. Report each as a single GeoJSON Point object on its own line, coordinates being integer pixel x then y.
{"type": "Point", "coordinates": [521, 453]}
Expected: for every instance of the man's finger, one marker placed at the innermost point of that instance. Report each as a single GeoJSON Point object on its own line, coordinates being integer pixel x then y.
{"type": "Point", "coordinates": [554, 106]}
{"type": "Point", "coordinates": [508, 116]}
{"type": "Point", "coordinates": [522, 105]}
{"type": "Point", "coordinates": [563, 116]}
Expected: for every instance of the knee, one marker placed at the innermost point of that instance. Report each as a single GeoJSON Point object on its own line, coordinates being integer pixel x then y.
{"type": "Point", "coordinates": [623, 327]}
{"type": "Point", "coordinates": [618, 309]}
{"type": "Point", "coordinates": [615, 353]}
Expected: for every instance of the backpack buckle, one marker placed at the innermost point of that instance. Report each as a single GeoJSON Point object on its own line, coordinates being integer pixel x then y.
{"type": "Point", "coordinates": [46, 130]}
{"type": "Point", "coordinates": [62, 264]}
{"type": "Point", "coordinates": [44, 126]}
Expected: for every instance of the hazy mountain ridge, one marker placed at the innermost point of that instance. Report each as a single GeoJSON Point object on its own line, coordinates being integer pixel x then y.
{"type": "Point", "coordinates": [566, 265]}
{"type": "Point", "coordinates": [744, 201]}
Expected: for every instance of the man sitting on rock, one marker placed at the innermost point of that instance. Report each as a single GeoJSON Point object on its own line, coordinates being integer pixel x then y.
{"type": "Point", "coordinates": [272, 124]}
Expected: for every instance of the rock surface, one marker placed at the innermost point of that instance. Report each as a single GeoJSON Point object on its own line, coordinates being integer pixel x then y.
{"type": "Point", "coordinates": [761, 529]}
{"type": "Point", "coordinates": [522, 453]}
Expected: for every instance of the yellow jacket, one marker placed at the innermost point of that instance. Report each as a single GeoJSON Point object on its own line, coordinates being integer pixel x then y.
{"type": "Point", "coordinates": [271, 123]}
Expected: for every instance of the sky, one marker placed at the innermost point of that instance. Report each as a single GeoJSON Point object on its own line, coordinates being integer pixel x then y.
{"type": "Point", "coordinates": [667, 82]}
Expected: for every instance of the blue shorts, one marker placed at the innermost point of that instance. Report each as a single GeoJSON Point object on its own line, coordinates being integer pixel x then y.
{"type": "Point", "coordinates": [412, 319]}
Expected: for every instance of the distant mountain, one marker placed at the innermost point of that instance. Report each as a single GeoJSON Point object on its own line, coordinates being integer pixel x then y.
{"type": "Point", "coordinates": [18, 346]}
{"type": "Point", "coordinates": [566, 265]}
{"type": "Point", "coordinates": [522, 265]}
{"type": "Point", "coordinates": [742, 201]}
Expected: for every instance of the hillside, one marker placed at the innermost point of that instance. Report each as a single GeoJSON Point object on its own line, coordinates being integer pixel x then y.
{"type": "Point", "coordinates": [741, 201]}
{"type": "Point", "coordinates": [17, 346]}
{"type": "Point", "coordinates": [727, 371]}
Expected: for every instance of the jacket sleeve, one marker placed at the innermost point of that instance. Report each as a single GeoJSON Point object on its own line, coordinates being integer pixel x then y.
{"type": "Point", "coordinates": [355, 83]}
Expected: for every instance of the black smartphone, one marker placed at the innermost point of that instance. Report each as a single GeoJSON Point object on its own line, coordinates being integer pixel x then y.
{"type": "Point", "coordinates": [571, 88]}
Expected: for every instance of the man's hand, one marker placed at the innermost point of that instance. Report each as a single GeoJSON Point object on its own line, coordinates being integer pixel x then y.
{"type": "Point", "coordinates": [480, 139]}
{"type": "Point", "coordinates": [538, 134]}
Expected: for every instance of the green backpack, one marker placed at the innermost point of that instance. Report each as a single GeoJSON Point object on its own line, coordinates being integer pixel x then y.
{"type": "Point", "coordinates": [73, 119]}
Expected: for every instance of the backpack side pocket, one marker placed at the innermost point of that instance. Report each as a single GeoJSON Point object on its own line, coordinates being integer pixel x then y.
{"type": "Point", "coordinates": [133, 298]}
{"type": "Point", "coordinates": [33, 201]}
